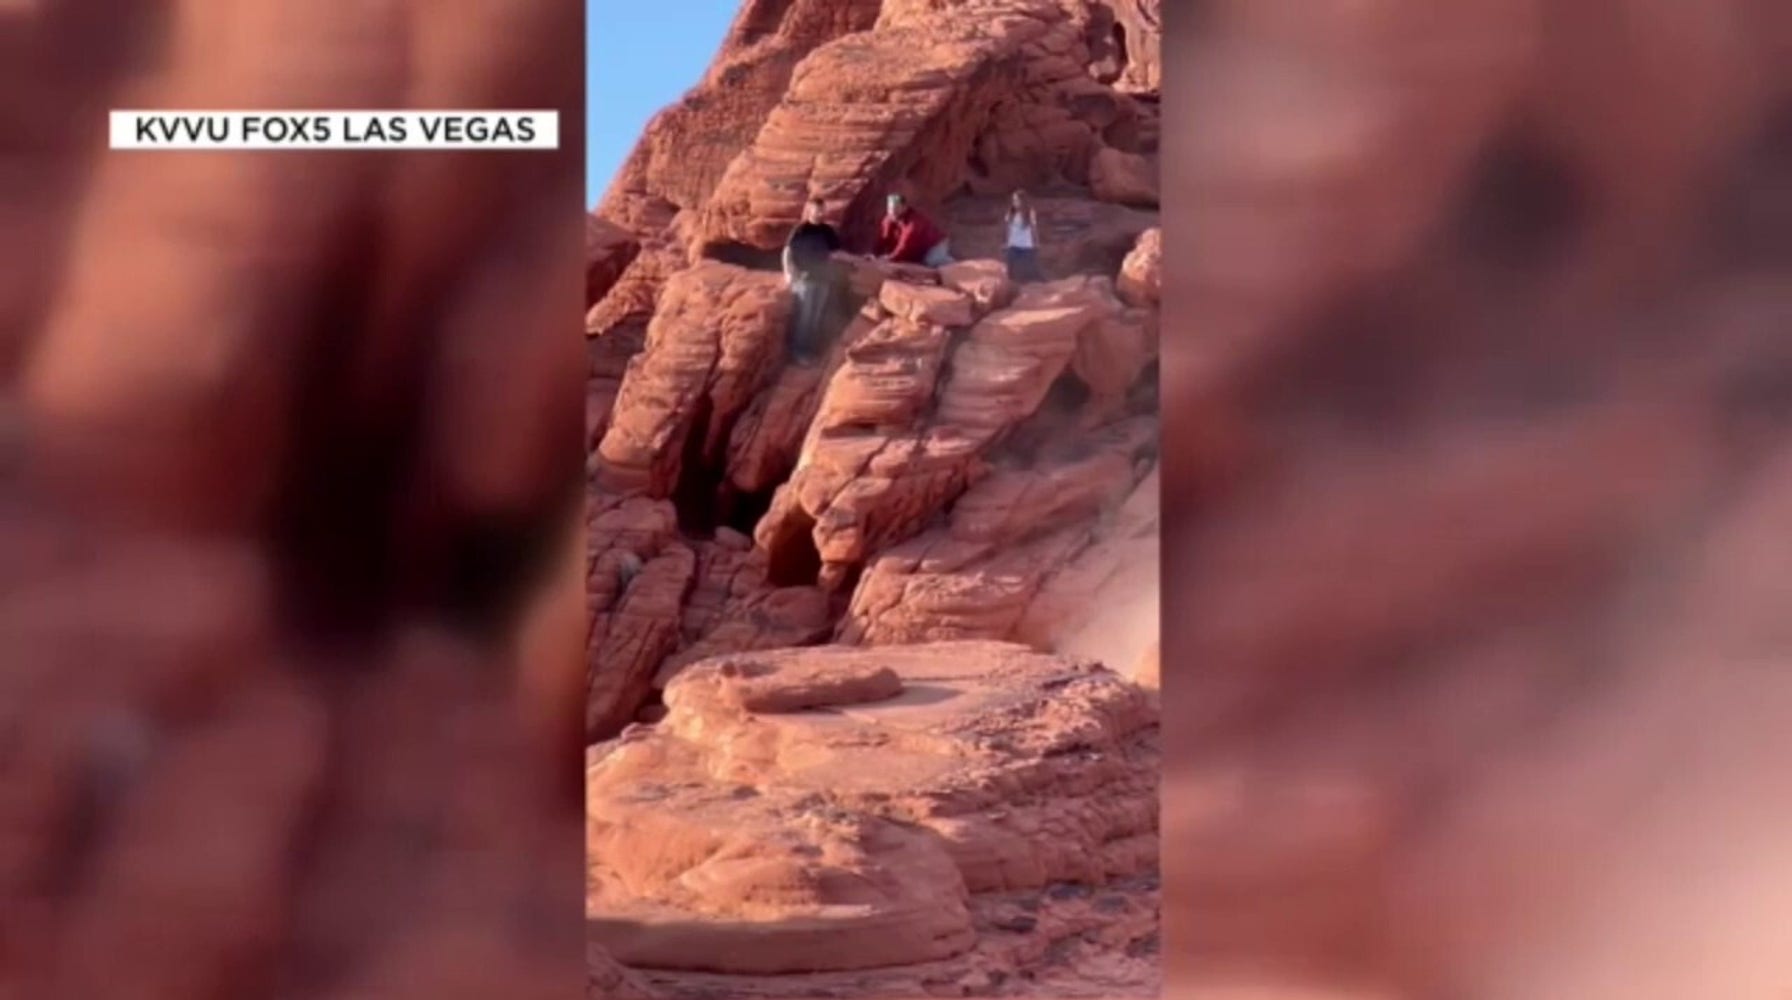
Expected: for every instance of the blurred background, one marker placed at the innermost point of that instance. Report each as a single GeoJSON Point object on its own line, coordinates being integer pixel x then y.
{"type": "Point", "coordinates": [1475, 652]}
{"type": "Point", "coordinates": [290, 625]}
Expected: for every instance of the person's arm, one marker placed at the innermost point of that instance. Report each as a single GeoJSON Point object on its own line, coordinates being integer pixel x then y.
{"type": "Point", "coordinates": [884, 243]}
{"type": "Point", "coordinates": [907, 235]}
{"type": "Point", "coordinates": [789, 264]}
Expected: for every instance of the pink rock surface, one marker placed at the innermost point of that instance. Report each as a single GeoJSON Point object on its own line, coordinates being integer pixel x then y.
{"type": "Point", "coordinates": [782, 782]}
{"type": "Point", "coordinates": [1078, 234]}
{"type": "Point", "coordinates": [829, 466]}
{"type": "Point", "coordinates": [711, 343]}
{"type": "Point", "coordinates": [867, 478]}
{"type": "Point", "coordinates": [934, 305]}
{"type": "Point", "coordinates": [608, 980]}
{"type": "Point", "coordinates": [985, 281]}
{"type": "Point", "coordinates": [1141, 274]}
{"type": "Point", "coordinates": [1126, 178]}
{"type": "Point", "coordinates": [804, 100]}
{"type": "Point", "coordinates": [839, 809]}
{"type": "Point", "coordinates": [609, 250]}
{"type": "Point", "coordinates": [1033, 554]}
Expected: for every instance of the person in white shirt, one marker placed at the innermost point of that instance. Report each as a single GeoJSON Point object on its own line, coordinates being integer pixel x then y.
{"type": "Point", "coordinates": [1023, 239]}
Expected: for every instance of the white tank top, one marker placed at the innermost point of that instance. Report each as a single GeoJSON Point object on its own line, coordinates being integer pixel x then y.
{"type": "Point", "coordinates": [1020, 235]}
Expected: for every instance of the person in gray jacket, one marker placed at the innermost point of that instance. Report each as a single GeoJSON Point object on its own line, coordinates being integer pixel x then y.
{"type": "Point", "coordinates": [814, 280]}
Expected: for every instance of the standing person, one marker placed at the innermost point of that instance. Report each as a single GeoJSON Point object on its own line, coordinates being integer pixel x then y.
{"type": "Point", "coordinates": [812, 243]}
{"type": "Point", "coordinates": [813, 280]}
{"type": "Point", "coordinates": [1023, 239]}
{"type": "Point", "coordinates": [908, 237]}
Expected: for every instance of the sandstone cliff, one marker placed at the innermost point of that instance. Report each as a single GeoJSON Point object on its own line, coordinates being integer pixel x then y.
{"type": "Point", "coordinates": [973, 462]}
{"type": "Point", "coordinates": [968, 439]}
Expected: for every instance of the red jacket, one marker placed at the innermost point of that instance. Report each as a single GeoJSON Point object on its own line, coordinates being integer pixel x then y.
{"type": "Point", "coordinates": [907, 238]}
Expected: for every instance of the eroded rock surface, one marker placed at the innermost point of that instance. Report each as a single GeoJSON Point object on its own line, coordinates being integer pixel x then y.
{"type": "Point", "coordinates": [836, 809]}
{"type": "Point", "coordinates": [953, 103]}
{"type": "Point", "coordinates": [966, 442]}
{"type": "Point", "coordinates": [608, 980]}
{"type": "Point", "coordinates": [609, 250]}
{"type": "Point", "coordinates": [973, 460]}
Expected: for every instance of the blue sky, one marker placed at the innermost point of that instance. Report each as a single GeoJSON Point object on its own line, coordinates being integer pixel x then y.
{"type": "Point", "coordinates": [640, 55]}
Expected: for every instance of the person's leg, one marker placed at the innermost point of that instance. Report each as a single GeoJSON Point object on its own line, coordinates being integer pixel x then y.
{"type": "Point", "coordinates": [1030, 265]}
{"type": "Point", "coordinates": [939, 256]}
{"type": "Point", "coordinates": [1020, 264]}
{"type": "Point", "coordinates": [829, 293]}
{"type": "Point", "coordinates": [1023, 264]}
{"type": "Point", "coordinates": [800, 340]}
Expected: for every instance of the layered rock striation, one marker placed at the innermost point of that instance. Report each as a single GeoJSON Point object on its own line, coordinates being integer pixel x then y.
{"type": "Point", "coordinates": [842, 810]}
{"type": "Point", "coordinates": [805, 571]}
{"type": "Point", "coordinates": [739, 500]}
{"type": "Point", "coordinates": [953, 103]}
{"type": "Point", "coordinates": [966, 444]}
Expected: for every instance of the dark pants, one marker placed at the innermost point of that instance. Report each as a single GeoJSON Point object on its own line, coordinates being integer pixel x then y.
{"type": "Point", "coordinates": [1023, 264]}
{"type": "Point", "coordinates": [816, 292]}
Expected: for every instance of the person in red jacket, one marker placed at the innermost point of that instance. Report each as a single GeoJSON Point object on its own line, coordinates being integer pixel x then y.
{"type": "Point", "coordinates": [908, 237]}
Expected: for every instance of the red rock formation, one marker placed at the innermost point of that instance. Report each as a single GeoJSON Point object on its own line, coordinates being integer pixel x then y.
{"type": "Point", "coordinates": [1132, 48]}
{"type": "Point", "coordinates": [1126, 178]}
{"type": "Point", "coordinates": [714, 340]}
{"type": "Point", "coordinates": [1141, 274]}
{"type": "Point", "coordinates": [932, 388]}
{"type": "Point", "coordinates": [941, 376]}
{"type": "Point", "coordinates": [638, 579]}
{"type": "Point", "coordinates": [895, 442]}
{"type": "Point", "coordinates": [1103, 603]}
{"type": "Point", "coordinates": [688, 147]}
{"type": "Point", "coordinates": [1051, 556]}
{"type": "Point", "coordinates": [947, 101]}
{"type": "Point", "coordinates": [684, 152]}
{"type": "Point", "coordinates": [609, 250]}
{"type": "Point", "coordinates": [606, 980]}
{"type": "Point", "coordinates": [942, 786]}
{"type": "Point", "coordinates": [973, 460]}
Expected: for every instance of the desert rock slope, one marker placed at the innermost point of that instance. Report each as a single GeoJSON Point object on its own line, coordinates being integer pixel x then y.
{"type": "Point", "coordinates": [872, 654]}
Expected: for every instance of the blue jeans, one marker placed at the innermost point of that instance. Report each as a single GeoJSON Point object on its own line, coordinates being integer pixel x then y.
{"type": "Point", "coordinates": [1023, 264]}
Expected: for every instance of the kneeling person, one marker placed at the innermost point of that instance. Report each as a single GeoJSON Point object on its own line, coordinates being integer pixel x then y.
{"type": "Point", "coordinates": [908, 237]}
